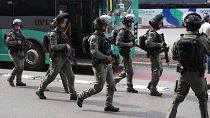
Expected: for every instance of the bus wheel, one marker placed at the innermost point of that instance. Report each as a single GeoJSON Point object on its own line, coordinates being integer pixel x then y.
{"type": "Point", "coordinates": [34, 59]}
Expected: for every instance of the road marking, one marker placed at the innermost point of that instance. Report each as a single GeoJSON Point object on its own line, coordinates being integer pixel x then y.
{"type": "Point", "coordinates": [144, 87]}
{"type": "Point", "coordinates": [23, 76]}
{"type": "Point", "coordinates": [141, 87]}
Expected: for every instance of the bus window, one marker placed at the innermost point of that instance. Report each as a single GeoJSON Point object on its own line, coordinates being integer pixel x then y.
{"type": "Point", "coordinates": [6, 8]}
{"type": "Point", "coordinates": [34, 7]}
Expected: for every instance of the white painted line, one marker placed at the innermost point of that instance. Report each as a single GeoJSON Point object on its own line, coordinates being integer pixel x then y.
{"type": "Point", "coordinates": [23, 76]}
{"type": "Point", "coordinates": [145, 87]}
{"type": "Point", "coordinates": [84, 82]}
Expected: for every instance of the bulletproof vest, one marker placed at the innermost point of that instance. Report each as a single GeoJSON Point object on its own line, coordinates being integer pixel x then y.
{"type": "Point", "coordinates": [155, 50]}
{"type": "Point", "coordinates": [104, 45]}
{"type": "Point", "coordinates": [62, 39]}
{"type": "Point", "coordinates": [190, 53]}
{"type": "Point", "coordinates": [128, 37]}
{"type": "Point", "coordinates": [17, 48]}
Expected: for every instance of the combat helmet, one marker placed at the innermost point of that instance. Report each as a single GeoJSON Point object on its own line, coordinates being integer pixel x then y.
{"type": "Point", "coordinates": [157, 21]}
{"type": "Point", "coordinates": [102, 20]}
{"type": "Point", "coordinates": [16, 22]}
{"type": "Point", "coordinates": [192, 21]}
{"type": "Point", "coordinates": [128, 18]}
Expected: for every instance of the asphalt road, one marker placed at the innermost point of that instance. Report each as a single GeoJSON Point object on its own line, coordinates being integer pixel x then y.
{"type": "Point", "coordinates": [21, 102]}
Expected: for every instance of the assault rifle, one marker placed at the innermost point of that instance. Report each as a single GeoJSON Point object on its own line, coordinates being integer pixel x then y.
{"type": "Point", "coordinates": [165, 48]}
{"type": "Point", "coordinates": [71, 54]}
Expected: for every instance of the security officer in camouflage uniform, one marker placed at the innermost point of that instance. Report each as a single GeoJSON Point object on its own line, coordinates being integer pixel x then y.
{"type": "Point", "coordinates": [62, 74]}
{"type": "Point", "coordinates": [63, 78]}
{"type": "Point", "coordinates": [125, 41]}
{"type": "Point", "coordinates": [154, 46]}
{"type": "Point", "coordinates": [60, 62]}
{"type": "Point", "coordinates": [15, 41]}
{"type": "Point", "coordinates": [101, 61]}
{"type": "Point", "coordinates": [191, 72]}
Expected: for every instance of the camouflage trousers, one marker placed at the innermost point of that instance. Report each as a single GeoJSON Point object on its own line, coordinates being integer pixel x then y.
{"type": "Point", "coordinates": [19, 66]}
{"type": "Point", "coordinates": [127, 72]}
{"type": "Point", "coordinates": [156, 69]}
{"type": "Point", "coordinates": [59, 63]}
{"type": "Point", "coordinates": [103, 73]}
{"type": "Point", "coordinates": [193, 80]}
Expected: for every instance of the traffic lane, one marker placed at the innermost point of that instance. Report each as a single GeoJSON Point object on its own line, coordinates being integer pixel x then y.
{"type": "Point", "coordinates": [21, 102]}
{"type": "Point", "coordinates": [143, 72]}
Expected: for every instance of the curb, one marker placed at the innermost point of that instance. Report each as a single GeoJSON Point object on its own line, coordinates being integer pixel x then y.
{"type": "Point", "coordinates": [149, 64]}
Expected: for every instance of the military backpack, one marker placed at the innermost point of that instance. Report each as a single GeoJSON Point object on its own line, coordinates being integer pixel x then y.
{"type": "Point", "coordinates": [189, 53]}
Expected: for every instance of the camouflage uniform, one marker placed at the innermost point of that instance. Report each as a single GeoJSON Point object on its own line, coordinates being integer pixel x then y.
{"type": "Point", "coordinates": [63, 78]}
{"type": "Point", "coordinates": [124, 37]}
{"type": "Point", "coordinates": [60, 62]}
{"type": "Point", "coordinates": [102, 70]}
{"type": "Point", "coordinates": [156, 63]}
{"type": "Point", "coordinates": [16, 52]}
{"type": "Point", "coordinates": [191, 78]}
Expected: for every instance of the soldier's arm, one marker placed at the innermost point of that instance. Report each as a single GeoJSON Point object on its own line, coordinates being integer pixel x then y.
{"type": "Point", "coordinates": [53, 43]}
{"type": "Point", "coordinates": [94, 48]}
{"type": "Point", "coordinates": [206, 43]}
{"type": "Point", "coordinates": [119, 39]}
{"type": "Point", "coordinates": [150, 40]}
{"type": "Point", "coordinates": [174, 51]}
{"type": "Point", "coordinates": [10, 40]}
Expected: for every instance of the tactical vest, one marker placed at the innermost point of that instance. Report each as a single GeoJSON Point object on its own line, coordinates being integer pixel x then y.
{"type": "Point", "coordinates": [104, 46]}
{"type": "Point", "coordinates": [61, 39]}
{"type": "Point", "coordinates": [126, 39]}
{"type": "Point", "coordinates": [155, 50]}
{"type": "Point", "coordinates": [190, 53]}
{"type": "Point", "coordinates": [17, 48]}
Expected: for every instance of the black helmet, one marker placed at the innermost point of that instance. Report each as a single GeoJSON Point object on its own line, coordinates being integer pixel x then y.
{"type": "Point", "coordinates": [102, 20]}
{"type": "Point", "coordinates": [128, 18]}
{"type": "Point", "coordinates": [62, 17]}
{"type": "Point", "coordinates": [16, 22]}
{"type": "Point", "coordinates": [157, 21]}
{"type": "Point", "coordinates": [192, 21]}
{"type": "Point", "coordinates": [206, 17]}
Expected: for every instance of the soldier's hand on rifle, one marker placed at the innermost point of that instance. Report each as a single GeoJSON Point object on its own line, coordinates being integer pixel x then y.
{"type": "Point", "coordinates": [160, 45]}
{"type": "Point", "coordinates": [130, 44]}
{"type": "Point", "coordinates": [68, 47]}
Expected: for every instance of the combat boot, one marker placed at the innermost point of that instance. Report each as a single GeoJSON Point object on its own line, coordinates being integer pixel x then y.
{"type": "Point", "coordinates": [20, 84]}
{"type": "Point", "coordinates": [132, 90]}
{"type": "Point", "coordinates": [156, 93]}
{"type": "Point", "coordinates": [66, 91]}
{"type": "Point", "coordinates": [111, 108]}
{"type": "Point", "coordinates": [11, 83]}
{"type": "Point", "coordinates": [204, 110]}
{"type": "Point", "coordinates": [73, 97]}
{"type": "Point", "coordinates": [79, 101]}
{"type": "Point", "coordinates": [40, 95]}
